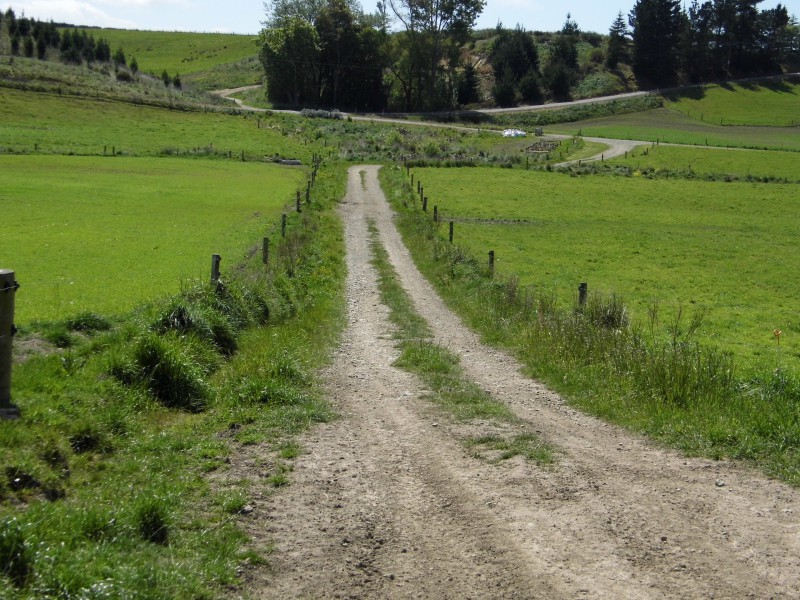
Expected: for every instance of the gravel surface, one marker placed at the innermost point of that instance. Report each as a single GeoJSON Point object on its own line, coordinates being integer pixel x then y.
{"type": "Point", "coordinates": [387, 503]}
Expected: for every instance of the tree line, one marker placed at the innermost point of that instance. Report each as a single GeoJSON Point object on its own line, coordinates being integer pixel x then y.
{"type": "Point", "coordinates": [330, 53]}
{"type": "Point", "coordinates": [712, 40]}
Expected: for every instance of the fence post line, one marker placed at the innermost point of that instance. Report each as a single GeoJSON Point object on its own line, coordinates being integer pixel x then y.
{"type": "Point", "coordinates": [435, 213]}
{"type": "Point", "coordinates": [265, 251]}
{"type": "Point", "coordinates": [425, 204]}
{"type": "Point", "coordinates": [8, 288]}
{"type": "Point", "coordinates": [452, 225]}
{"type": "Point", "coordinates": [283, 225]}
{"type": "Point", "coordinates": [215, 260]}
{"type": "Point", "coordinates": [491, 262]}
{"type": "Point", "coordinates": [583, 293]}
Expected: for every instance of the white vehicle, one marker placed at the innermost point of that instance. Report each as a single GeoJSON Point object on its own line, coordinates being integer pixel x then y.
{"type": "Point", "coordinates": [514, 133]}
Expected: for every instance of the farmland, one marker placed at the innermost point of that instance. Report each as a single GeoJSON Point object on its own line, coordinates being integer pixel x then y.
{"type": "Point", "coordinates": [90, 231]}
{"type": "Point", "coordinates": [674, 127]}
{"type": "Point", "coordinates": [724, 248]}
{"type": "Point", "coordinates": [714, 162]}
{"type": "Point", "coordinates": [179, 52]}
{"type": "Point", "coordinates": [64, 125]}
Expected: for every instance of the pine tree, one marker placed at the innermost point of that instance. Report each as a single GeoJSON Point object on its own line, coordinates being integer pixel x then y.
{"type": "Point", "coordinates": [617, 42]}
{"type": "Point", "coordinates": [656, 28]}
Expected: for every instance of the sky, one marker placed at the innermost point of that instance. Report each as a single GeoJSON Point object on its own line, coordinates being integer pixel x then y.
{"type": "Point", "coordinates": [245, 16]}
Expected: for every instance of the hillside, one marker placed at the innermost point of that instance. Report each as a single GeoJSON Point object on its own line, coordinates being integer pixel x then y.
{"type": "Point", "coordinates": [207, 60]}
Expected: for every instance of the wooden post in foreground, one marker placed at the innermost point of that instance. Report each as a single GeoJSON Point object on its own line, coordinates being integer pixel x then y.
{"type": "Point", "coordinates": [583, 293]}
{"type": "Point", "coordinates": [491, 262]}
{"type": "Point", "coordinates": [283, 225]}
{"type": "Point", "coordinates": [435, 213]}
{"type": "Point", "coordinates": [425, 204]}
{"type": "Point", "coordinates": [265, 251]}
{"type": "Point", "coordinates": [8, 288]}
{"type": "Point", "coordinates": [215, 260]}
{"type": "Point", "coordinates": [452, 225]}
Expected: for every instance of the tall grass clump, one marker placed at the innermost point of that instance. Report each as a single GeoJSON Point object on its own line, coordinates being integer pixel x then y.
{"type": "Point", "coordinates": [657, 379]}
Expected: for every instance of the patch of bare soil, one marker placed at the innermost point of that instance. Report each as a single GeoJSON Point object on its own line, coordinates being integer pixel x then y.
{"type": "Point", "coordinates": [387, 503]}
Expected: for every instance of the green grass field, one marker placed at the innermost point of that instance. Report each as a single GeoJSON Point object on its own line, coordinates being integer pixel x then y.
{"type": "Point", "coordinates": [63, 125]}
{"type": "Point", "coordinates": [671, 126]}
{"type": "Point", "coordinates": [728, 248]}
{"type": "Point", "coordinates": [739, 163]}
{"type": "Point", "coordinates": [179, 52]}
{"type": "Point", "coordinates": [764, 103]}
{"type": "Point", "coordinates": [105, 234]}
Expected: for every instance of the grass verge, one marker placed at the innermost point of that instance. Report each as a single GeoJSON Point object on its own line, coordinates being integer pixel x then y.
{"type": "Point", "coordinates": [667, 386]}
{"type": "Point", "coordinates": [439, 368]}
{"type": "Point", "coordinates": [104, 490]}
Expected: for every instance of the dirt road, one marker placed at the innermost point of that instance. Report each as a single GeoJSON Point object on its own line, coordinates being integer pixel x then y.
{"type": "Point", "coordinates": [386, 503]}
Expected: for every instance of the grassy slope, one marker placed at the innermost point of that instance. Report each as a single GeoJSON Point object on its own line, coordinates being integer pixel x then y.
{"type": "Point", "coordinates": [671, 126]}
{"type": "Point", "coordinates": [179, 52]}
{"type": "Point", "coordinates": [721, 246]}
{"type": "Point", "coordinates": [90, 230]}
{"type": "Point", "coordinates": [61, 124]}
{"type": "Point", "coordinates": [715, 162]}
{"type": "Point", "coordinates": [764, 103]}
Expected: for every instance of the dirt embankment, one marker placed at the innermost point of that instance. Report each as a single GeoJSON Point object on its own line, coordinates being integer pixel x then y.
{"type": "Point", "coordinates": [387, 503]}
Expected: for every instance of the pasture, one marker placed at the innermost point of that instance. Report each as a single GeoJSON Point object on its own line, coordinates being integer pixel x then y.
{"type": "Point", "coordinates": [769, 103]}
{"type": "Point", "coordinates": [179, 52]}
{"type": "Point", "coordinates": [725, 249]}
{"type": "Point", "coordinates": [674, 127]}
{"type": "Point", "coordinates": [105, 234]}
{"type": "Point", "coordinates": [49, 123]}
{"type": "Point", "coordinates": [720, 162]}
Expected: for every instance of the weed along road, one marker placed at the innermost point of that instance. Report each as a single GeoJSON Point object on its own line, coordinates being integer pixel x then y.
{"type": "Point", "coordinates": [389, 502]}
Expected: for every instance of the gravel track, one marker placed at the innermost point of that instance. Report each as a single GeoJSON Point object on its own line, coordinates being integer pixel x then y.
{"type": "Point", "coordinates": [387, 503]}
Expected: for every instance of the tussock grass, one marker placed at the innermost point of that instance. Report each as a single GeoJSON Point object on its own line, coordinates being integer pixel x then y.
{"type": "Point", "coordinates": [661, 382]}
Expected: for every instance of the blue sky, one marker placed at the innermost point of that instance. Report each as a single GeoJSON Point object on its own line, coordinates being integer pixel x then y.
{"type": "Point", "coordinates": [245, 16]}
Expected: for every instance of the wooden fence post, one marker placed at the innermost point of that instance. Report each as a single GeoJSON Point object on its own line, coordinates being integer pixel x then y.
{"type": "Point", "coordinates": [412, 181]}
{"type": "Point", "coordinates": [308, 192]}
{"type": "Point", "coordinates": [8, 288]}
{"type": "Point", "coordinates": [491, 262]}
{"type": "Point", "coordinates": [583, 293]}
{"type": "Point", "coordinates": [298, 201]}
{"type": "Point", "coordinates": [265, 251]}
{"type": "Point", "coordinates": [425, 204]}
{"type": "Point", "coordinates": [435, 213]}
{"type": "Point", "coordinates": [215, 260]}
{"type": "Point", "coordinates": [452, 225]}
{"type": "Point", "coordinates": [283, 225]}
